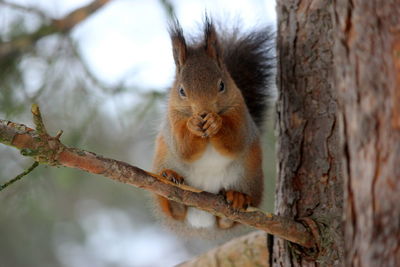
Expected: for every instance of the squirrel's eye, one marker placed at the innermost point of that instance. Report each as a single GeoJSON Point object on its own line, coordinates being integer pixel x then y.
{"type": "Point", "coordinates": [182, 92]}
{"type": "Point", "coordinates": [221, 86]}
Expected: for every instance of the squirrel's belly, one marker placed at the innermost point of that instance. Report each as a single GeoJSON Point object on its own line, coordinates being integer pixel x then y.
{"type": "Point", "coordinates": [211, 173]}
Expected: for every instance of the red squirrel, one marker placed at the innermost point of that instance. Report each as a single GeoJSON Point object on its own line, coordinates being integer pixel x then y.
{"type": "Point", "coordinates": [210, 138]}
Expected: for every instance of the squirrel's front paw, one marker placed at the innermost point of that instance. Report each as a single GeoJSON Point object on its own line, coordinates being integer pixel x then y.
{"type": "Point", "coordinates": [195, 124]}
{"type": "Point", "coordinates": [212, 124]}
{"type": "Point", "coordinates": [237, 200]}
{"type": "Point", "coordinates": [172, 176]}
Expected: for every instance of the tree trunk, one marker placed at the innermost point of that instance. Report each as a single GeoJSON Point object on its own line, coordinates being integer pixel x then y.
{"type": "Point", "coordinates": [367, 54]}
{"type": "Point", "coordinates": [309, 181]}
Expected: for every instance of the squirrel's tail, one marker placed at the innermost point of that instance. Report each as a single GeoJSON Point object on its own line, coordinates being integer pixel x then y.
{"type": "Point", "coordinates": [250, 60]}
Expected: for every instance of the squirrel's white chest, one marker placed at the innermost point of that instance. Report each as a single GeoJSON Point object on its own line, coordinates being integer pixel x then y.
{"type": "Point", "coordinates": [211, 173]}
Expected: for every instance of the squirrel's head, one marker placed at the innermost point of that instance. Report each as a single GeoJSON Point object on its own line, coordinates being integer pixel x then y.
{"type": "Point", "coordinates": [202, 83]}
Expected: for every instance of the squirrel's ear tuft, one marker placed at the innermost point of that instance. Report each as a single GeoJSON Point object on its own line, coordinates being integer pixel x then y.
{"type": "Point", "coordinates": [210, 39]}
{"type": "Point", "coordinates": [179, 48]}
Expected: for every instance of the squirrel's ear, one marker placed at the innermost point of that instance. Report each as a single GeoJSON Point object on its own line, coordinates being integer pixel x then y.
{"type": "Point", "coordinates": [211, 40]}
{"type": "Point", "coordinates": [179, 49]}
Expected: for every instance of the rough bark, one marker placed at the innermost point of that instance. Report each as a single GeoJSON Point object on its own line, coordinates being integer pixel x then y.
{"type": "Point", "coordinates": [367, 55]}
{"type": "Point", "coordinates": [309, 181]}
{"type": "Point", "coordinates": [245, 251]}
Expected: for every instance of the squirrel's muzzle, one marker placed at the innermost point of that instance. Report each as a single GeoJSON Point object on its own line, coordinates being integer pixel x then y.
{"type": "Point", "coordinates": [202, 109]}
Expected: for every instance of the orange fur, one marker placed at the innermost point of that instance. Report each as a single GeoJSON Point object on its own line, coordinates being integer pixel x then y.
{"type": "Point", "coordinates": [237, 199]}
{"type": "Point", "coordinates": [172, 209]}
{"type": "Point", "coordinates": [190, 147]}
{"type": "Point", "coordinates": [254, 159]}
{"type": "Point", "coordinates": [253, 170]}
{"type": "Point", "coordinates": [229, 141]}
{"type": "Point", "coordinates": [164, 205]}
{"type": "Point", "coordinates": [160, 153]}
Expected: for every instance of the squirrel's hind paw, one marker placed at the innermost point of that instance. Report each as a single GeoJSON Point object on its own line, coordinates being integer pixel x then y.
{"type": "Point", "coordinates": [224, 223]}
{"type": "Point", "coordinates": [237, 200]}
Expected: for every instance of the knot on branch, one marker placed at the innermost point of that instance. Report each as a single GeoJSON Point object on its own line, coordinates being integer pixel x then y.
{"type": "Point", "coordinates": [313, 252]}
{"type": "Point", "coordinates": [48, 148]}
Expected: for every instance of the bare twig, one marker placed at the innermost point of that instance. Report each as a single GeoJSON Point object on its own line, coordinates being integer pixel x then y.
{"type": "Point", "coordinates": [50, 150]}
{"type": "Point", "coordinates": [26, 41]}
{"type": "Point", "coordinates": [31, 168]}
{"type": "Point", "coordinates": [25, 9]}
{"type": "Point", "coordinates": [75, 17]}
{"type": "Point", "coordinates": [37, 119]}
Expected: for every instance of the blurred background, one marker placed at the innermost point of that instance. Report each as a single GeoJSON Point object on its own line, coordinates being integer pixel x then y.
{"type": "Point", "coordinates": [101, 76]}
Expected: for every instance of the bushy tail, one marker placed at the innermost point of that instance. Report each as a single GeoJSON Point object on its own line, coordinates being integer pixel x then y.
{"type": "Point", "coordinates": [250, 60]}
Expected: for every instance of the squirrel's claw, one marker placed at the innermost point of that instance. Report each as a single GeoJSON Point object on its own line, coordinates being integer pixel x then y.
{"type": "Point", "coordinates": [204, 127]}
{"type": "Point", "coordinates": [212, 124]}
{"type": "Point", "coordinates": [172, 176]}
{"type": "Point", "coordinates": [194, 124]}
{"type": "Point", "coordinates": [237, 200]}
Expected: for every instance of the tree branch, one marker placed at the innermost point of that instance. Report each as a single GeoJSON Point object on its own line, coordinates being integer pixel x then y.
{"type": "Point", "coordinates": [75, 17]}
{"type": "Point", "coordinates": [25, 41]}
{"type": "Point", "coordinates": [25, 9]}
{"type": "Point", "coordinates": [49, 150]}
{"type": "Point", "coordinates": [19, 176]}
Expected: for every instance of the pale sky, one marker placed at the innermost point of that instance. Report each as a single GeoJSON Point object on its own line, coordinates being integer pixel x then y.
{"type": "Point", "coordinates": [132, 39]}
{"type": "Point", "coordinates": [128, 39]}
